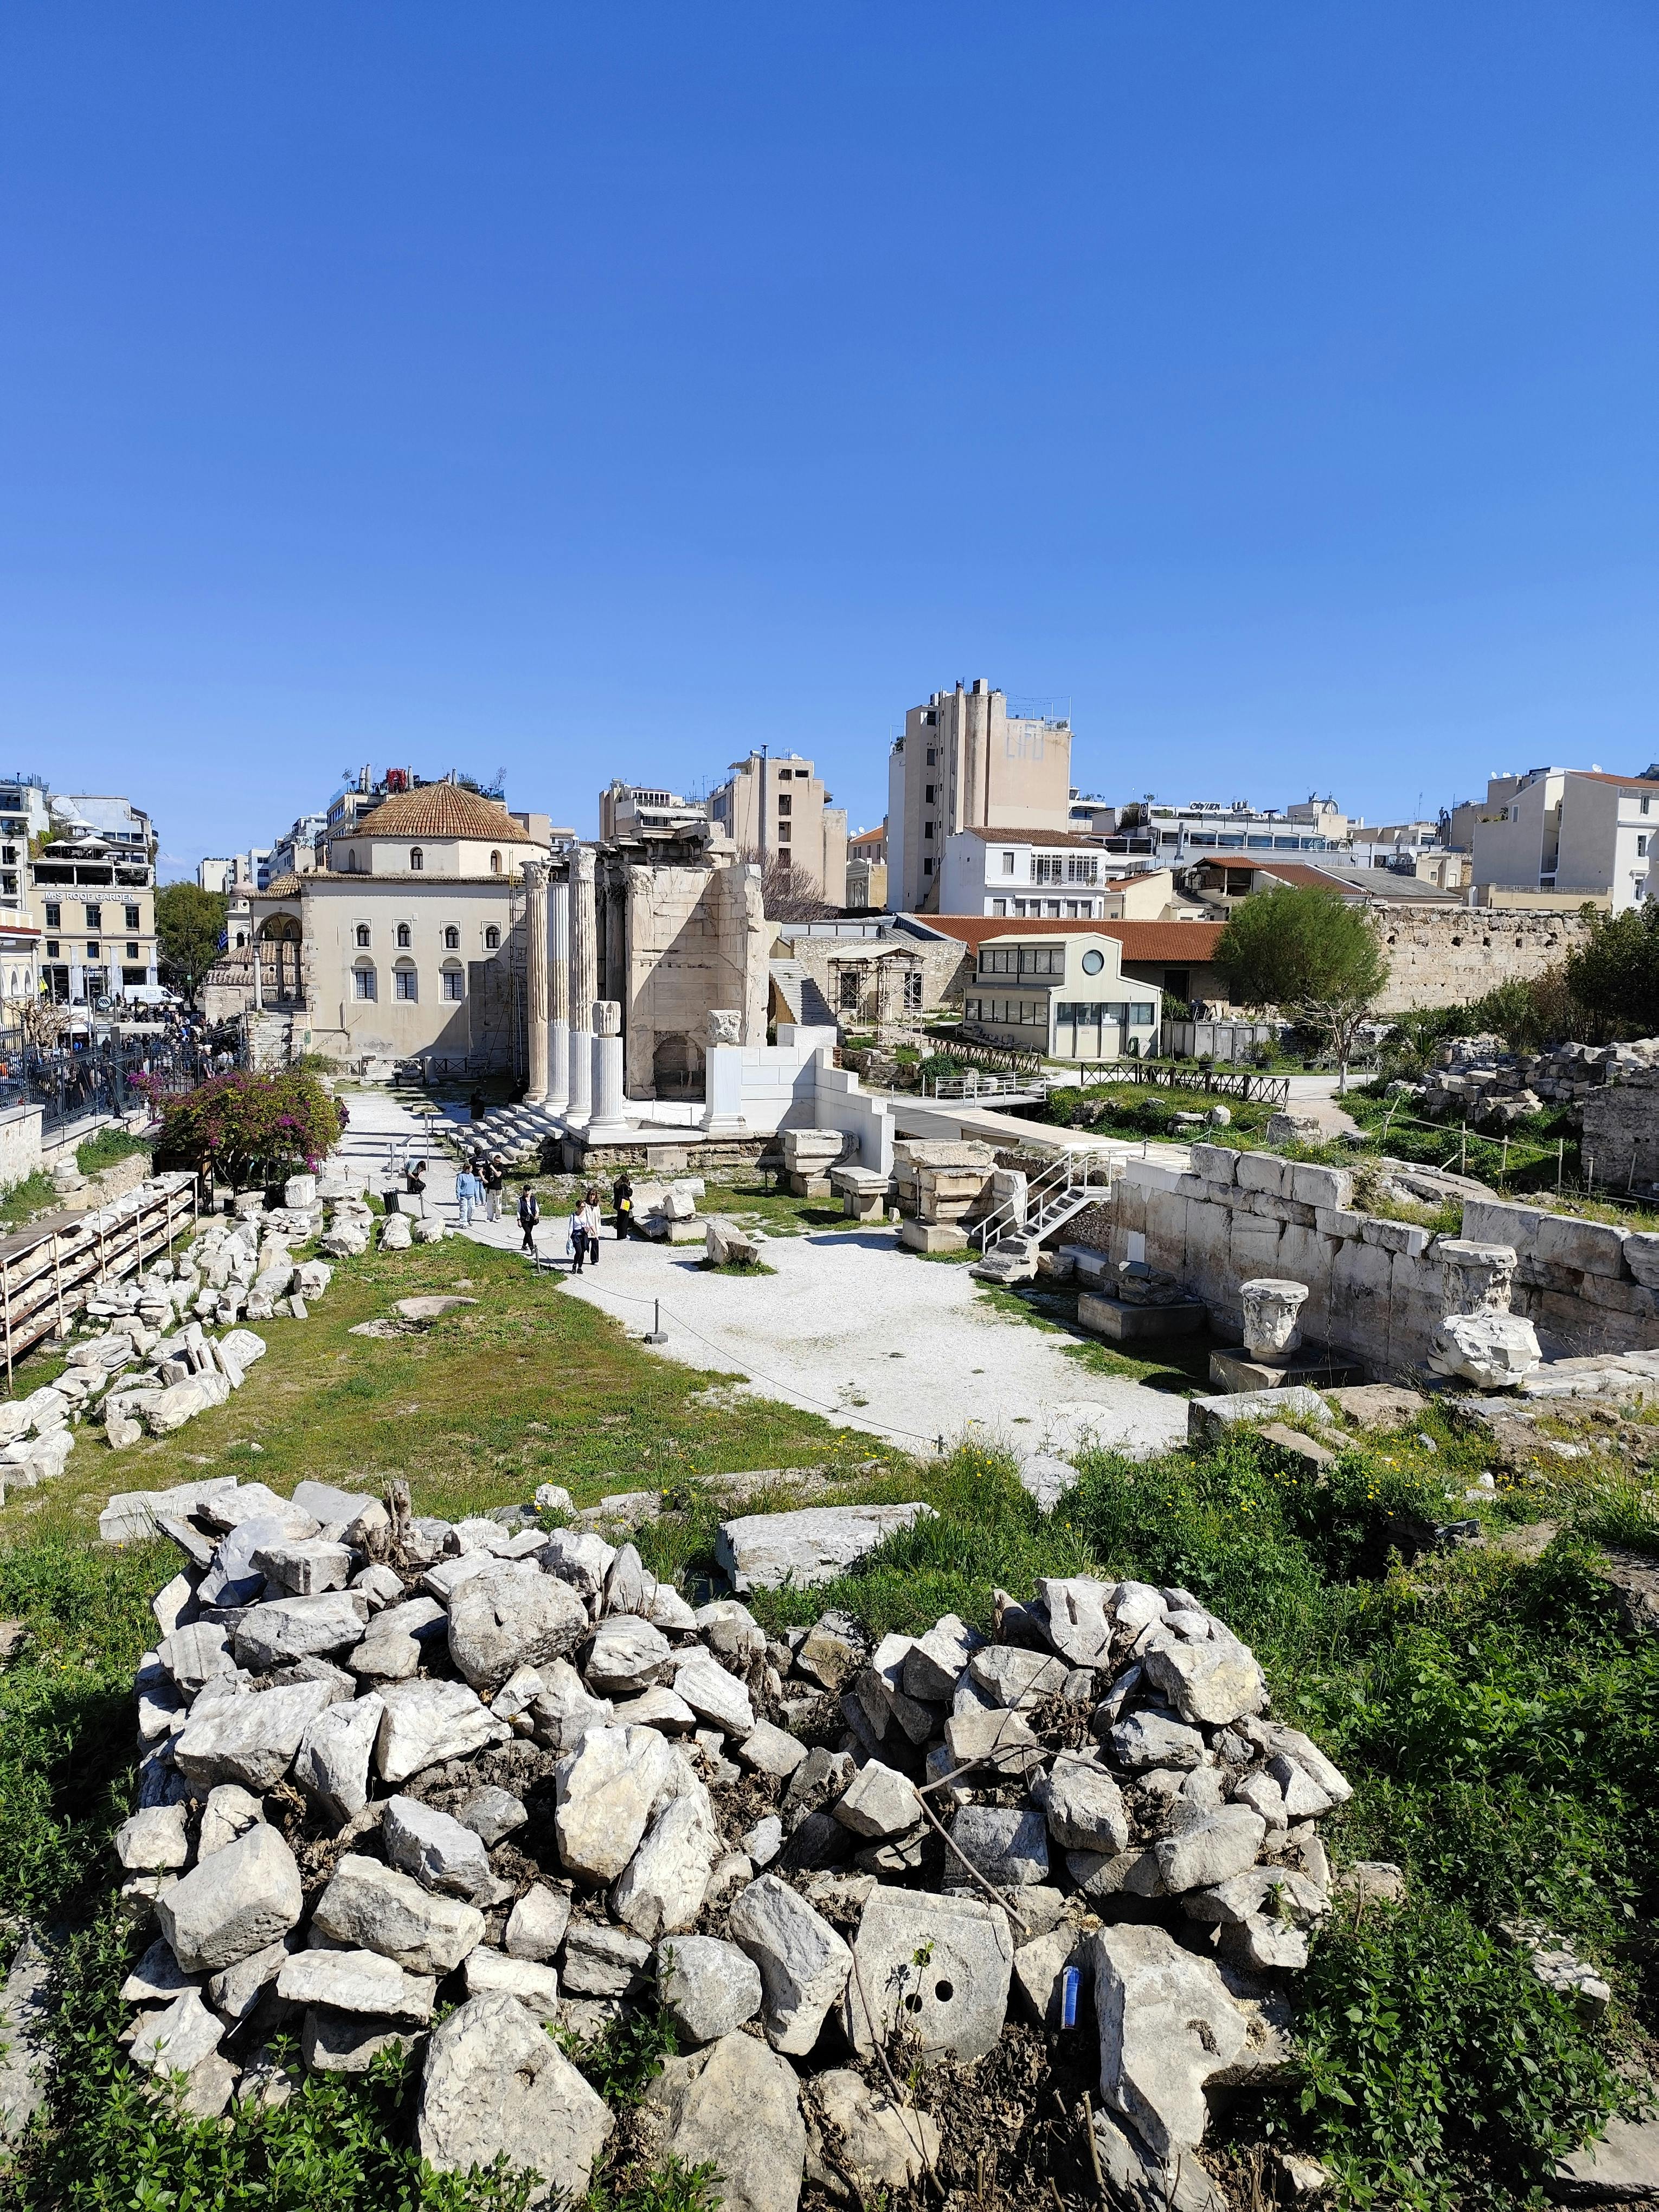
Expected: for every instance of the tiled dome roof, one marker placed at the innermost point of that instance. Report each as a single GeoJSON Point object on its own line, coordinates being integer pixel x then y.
{"type": "Point", "coordinates": [444, 810]}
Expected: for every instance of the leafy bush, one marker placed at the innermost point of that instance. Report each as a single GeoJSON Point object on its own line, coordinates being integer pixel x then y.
{"type": "Point", "coordinates": [938, 1064]}
{"type": "Point", "coordinates": [242, 1122]}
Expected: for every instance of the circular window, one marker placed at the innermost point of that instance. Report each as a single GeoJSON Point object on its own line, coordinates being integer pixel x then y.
{"type": "Point", "coordinates": [1093, 963]}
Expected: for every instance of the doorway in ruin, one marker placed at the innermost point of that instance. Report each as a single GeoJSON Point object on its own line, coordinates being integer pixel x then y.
{"type": "Point", "coordinates": [677, 1067]}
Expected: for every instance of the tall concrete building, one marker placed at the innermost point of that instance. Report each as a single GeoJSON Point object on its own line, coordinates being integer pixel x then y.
{"type": "Point", "coordinates": [775, 809]}
{"type": "Point", "coordinates": [965, 763]}
{"type": "Point", "coordinates": [1571, 833]}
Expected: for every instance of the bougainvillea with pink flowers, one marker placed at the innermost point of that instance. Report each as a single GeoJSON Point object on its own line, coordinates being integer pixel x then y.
{"type": "Point", "coordinates": [243, 1127]}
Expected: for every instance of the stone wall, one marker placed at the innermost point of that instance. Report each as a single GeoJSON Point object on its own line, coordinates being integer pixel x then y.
{"type": "Point", "coordinates": [1446, 955]}
{"type": "Point", "coordinates": [20, 1144]}
{"type": "Point", "coordinates": [1620, 1145]}
{"type": "Point", "coordinates": [1375, 1288]}
{"type": "Point", "coordinates": [677, 941]}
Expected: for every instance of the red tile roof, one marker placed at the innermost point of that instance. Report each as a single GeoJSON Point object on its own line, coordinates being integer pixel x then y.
{"type": "Point", "coordinates": [443, 810]}
{"type": "Point", "coordinates": [1037, 837]}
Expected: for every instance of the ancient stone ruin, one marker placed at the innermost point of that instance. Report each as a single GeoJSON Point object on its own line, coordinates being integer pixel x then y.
{"type": "Point", "coordinates": [394, 1767]}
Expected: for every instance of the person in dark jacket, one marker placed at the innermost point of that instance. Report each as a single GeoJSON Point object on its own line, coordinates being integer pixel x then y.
{"type": "Point", "coordinates": [530, 1214]}
{"type": "Point", "coordinates": [622, 1198]}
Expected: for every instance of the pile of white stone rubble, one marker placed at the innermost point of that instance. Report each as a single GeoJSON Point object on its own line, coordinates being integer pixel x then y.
{"type": "Point", "coordinates": [394, 1769]}
{"type": "Point", "coordinates": [140, 1357]}
{"type": "Point", "coordinates": [1475, 1080]}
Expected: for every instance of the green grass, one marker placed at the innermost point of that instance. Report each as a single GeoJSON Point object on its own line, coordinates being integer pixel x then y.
{"type": "Point", "coordinates": [26, 1199]}
{"type": "Point", "coordinates": [779, 1212]}
{"type": "Point", "coordinates": [104, 1150]}
{"type": "Point", "coordinates": [1499, 1720]}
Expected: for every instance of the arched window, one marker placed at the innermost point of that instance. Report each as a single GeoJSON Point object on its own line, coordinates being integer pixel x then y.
{"type": "Point", "coordinates": [405, 983]}
{"type": "Point", "coordinates": [402, 934]}
{"type": "Point", "coordinates": [352, 860]}
{"type": "Point", "coordinates": [495, 864]}
{"type": "Point", "coordinates": [455, 980]}
{"type": "Point", "coordinates": [362, 932]}
{"type": "Point", "coordinates": [363, 976]}
{"type": "Point", "coordinates": [241, 938]}
{"type": "Point", "coordinates": [452, 939]}
{"type": "Point", "coordinates": [417, 858]}
{"type": "Point", "coordinates": [492, 938]}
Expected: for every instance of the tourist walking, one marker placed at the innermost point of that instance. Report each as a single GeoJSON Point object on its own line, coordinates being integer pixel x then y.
{"type": "Point", "coordinates": [469, 1193]}
{"type": "Point", "coordinates": [491, 1177]}
{"type": "Point", "coordinates": [588, 1229]}
{"type": "Point", "coordinates": [530, 1214]}
{"type": "Point", "coordinates": [621, 1201]}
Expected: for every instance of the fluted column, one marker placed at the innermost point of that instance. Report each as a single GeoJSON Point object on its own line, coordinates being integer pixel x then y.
{"type": "Point", "coordinates": [608, 1122]}
{"type": "Point", "coordinates": [535, 949]}
{"type": "Point", "coordinates": [558, 994]}
{"type": "Point", "coordinates": [584, 983]}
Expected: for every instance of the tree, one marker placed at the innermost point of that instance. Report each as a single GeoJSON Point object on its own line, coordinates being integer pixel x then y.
{"type": "Point", "coordinates": [1311, 953]}
{"type": "Point", "coordinates": [786, 894]}
{"type": "Point", "coordinates": [242, 1121]}
{"type": "Point", "coordinates": [190, 928]}
{"type": "Point", "coordinates": [1614, 974]}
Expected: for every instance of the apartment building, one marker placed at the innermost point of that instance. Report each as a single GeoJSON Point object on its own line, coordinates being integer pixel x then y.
{"type": "Point", "coordinates": [966, 763]}
{"type": "Point", "coordinates": [1570, 831]}
{"type": "Point", "coordinates": [91, 894]}
{"type": "Point", "coordinates": [1058, 876]}
{"type": "Point", "coordinates": [775, 807]}
{"type": "Point", "coordinates": [867, 870]}
{"type": "Point", "coordinates": [235, 875]}
{"type": "Point", "coordinates": [628, 811]}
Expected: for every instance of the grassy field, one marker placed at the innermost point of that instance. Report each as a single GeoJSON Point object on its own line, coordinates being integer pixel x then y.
{"type": "Point", "coordinates": [1498, 1714]}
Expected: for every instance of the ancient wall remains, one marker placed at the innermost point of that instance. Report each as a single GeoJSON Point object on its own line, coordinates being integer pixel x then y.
{"type": "Point", "coordinates": [1446, 955]}
{"type": "Point", "coordinates": [1375, 1289]}
{"type": "Point", "coordinates": [1620, 1137]}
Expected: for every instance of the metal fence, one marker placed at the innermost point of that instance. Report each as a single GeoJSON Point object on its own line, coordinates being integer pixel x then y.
{"type": "Point", "coordinates": [84, 1076]}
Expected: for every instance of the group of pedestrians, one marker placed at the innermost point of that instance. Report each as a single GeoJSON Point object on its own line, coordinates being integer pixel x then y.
{"type": "Point", "coordinates": [477, 1197]}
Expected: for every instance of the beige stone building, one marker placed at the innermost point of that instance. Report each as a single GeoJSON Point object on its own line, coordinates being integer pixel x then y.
{"type": "Point", "coordinates": [867, 870]}
{"type": "Point", "coordinates": [90, 892]}
{"type": "Point", "coordinates": [409, 944]}
{"type": "Point", "coordinates": [774, 809]}
{"type": "Point", "coordinates": [965, 763]}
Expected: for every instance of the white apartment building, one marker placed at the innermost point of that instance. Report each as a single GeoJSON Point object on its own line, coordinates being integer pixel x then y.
{"type": "Point", "coordinates": [637, 810]}
{"type": "Point", "coordinates": [1182, 833]}
{"type": "Point", "coordinates": [1057, 876]}
{"type": "Point", "coordinates": [1571, 831]}
{"type": "Point", "coordinates": [235, 874]}
{"type": "Point", "coordinates": [966, 763]}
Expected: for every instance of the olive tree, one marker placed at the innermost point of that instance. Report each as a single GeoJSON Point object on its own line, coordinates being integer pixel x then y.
{"type": "Point", "coordinates": [1313, 955]}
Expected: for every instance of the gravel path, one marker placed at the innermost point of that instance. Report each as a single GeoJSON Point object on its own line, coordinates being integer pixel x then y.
{"type": "Point", "coordinates": [851, 1325]}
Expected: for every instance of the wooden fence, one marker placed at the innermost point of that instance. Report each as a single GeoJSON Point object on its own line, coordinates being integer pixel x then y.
{"type": "Point", "coordinates": [1184, 1075]}
{"type": "Point", "coordinates": [49, 1271]}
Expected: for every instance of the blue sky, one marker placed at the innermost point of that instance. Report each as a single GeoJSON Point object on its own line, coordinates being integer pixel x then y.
{"type": "Point", "coordinates": [600, 391]}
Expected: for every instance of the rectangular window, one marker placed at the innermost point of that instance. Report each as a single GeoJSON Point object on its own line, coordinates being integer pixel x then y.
{"type": "Point", "coordinates": [1045, 868]}
{"type": "Point", "coordinates": [54, 914]}
{"type": "Point", "coordinates": [132, 974]}
{"type": "Point", "coordinates": [1043, 960]}
{"type": "Point", "coordinates": [1142, 1014]}
{"type": "Point", "coordinates": [92, 951]}
{"type": "Point", "coordinates": [52, 948]}
{"type": "Point", "coordinates": [1082, 868]}
{"type": "Point", "coordinates": [785, 803]}
{"type": "Point", "coordinates": [927, 831]}
{"type": "Point", "coordinates": [998, 960]}
{"type": "Point", "coordinates": [365, 982]}
{"type": "Point", "coordinates": [970, 1010]}
{"type": "Point", "coordinates": [784, 832]}
{"type": "Point", "coordinates": [783, 858]}
{"type": "Point", "coordinates": [133, 951]}
{"type": "Point", "coordinates": [95, 917]}
{"type": "Point", "coordinates": [933, 750]}
{"type": "Point", "coordinates": [133, 917]}
{"type": "Point", "coordinates": [406, 989]}
{"type": "Point", "coordinates": [1647, 805]}
{"type": "Point", "coordinates": [1000, 906]}
{"type": "Point", "coordinates": [1641, 848]}
{"type": "Point", "coordinates": [929, 794]}
{"type": "Point", "coordinates": [454, 983]}
{"type": "Point", "coordinates": [1007, 864]}
{"type": "Point", "coordinates": [927, 867]}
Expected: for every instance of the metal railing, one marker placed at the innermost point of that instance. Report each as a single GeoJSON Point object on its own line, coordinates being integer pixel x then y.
{"type": "Point", "coordinates": [79, 1079]}
{"type": "Point", "coordinates": [1050, 1198]}
{"type": "Point", "coordinates": [981, 1083]}
{"type": "Point", "coordinates": [1186, 1075]}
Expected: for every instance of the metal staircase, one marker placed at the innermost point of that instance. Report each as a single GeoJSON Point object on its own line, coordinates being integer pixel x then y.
{"type": "Point", "coordinates": [1009, 1238]}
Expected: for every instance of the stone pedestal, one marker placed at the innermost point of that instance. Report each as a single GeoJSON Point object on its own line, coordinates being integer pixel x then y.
{"type": "Point", "coordinates": [934, 1236]}
{"type": "Point", "coordinates": [864, 1192]}
{"type": "Point", "coordinates": [1121, 1322]}
{"type": "Point", "coordinates": [1236, 1371]}
{"type": "Point", "coordinates": [609, 1122]}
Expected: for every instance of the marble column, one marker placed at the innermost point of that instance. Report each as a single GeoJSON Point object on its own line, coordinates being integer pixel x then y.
{"type": "Point", "coordinates": [583, 984]}
{"type": "Point", "coordinates": [608, 1122]}
{"type": "Point", "coordinates": [535, 953]}
{"type": "Point", "coordinates": [558, 994]}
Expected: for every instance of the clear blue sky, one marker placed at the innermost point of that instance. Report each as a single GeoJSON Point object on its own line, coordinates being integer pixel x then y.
{"type": "Point", "coordinates": [610, 390]}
